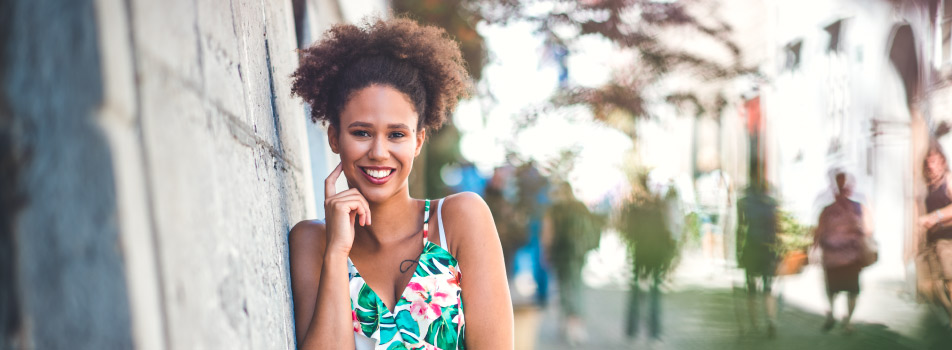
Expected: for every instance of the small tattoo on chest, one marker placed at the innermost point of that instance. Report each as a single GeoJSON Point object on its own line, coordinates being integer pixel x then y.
{"type": "Point", "coordinates": [408, 266]}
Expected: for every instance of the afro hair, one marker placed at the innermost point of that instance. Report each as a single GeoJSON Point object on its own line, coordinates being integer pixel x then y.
{"type": "Point", "coordinates": [419, 61]}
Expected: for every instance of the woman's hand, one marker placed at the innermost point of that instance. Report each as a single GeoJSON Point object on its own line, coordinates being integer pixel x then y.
{"type": "Point", "coordinates": [928, 221]}
{"type": "Point", "coordinates": [341, 211]}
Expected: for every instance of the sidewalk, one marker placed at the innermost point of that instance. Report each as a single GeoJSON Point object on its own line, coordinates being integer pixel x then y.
{"type": "Point", "coordinates": [704, 307]}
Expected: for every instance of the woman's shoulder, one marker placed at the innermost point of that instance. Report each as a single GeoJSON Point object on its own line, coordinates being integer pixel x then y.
{"type": "Point", "coordinates": [307, 235]}
{"type": "Point", "coordinates": [464, 205]}
{"type": "Point", "coordinates": [466, 217]}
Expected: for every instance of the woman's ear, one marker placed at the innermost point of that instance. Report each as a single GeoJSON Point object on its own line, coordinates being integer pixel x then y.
{"type": "Point", "coordinates": [333, 138]}
{"type": "Point", "coordinates": [420, 137]}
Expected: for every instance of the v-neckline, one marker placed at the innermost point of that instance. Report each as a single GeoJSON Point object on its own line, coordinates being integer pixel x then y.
{"type": "Point", "coordinates": [403, 292]}
{"type": "Point", "coordinates": [426, 240]}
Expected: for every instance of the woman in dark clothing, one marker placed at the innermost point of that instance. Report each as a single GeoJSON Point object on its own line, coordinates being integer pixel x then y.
{"type": "Point", "coordinates": [936, 222]}
{"type": "Point", "coordinates": [756, 237]}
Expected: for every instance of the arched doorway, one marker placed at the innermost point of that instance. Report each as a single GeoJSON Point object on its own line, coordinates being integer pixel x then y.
{"type": "Point", "coordinates": [892, 153]}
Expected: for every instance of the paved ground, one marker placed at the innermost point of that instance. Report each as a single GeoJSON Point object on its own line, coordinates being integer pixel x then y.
{"type": "Point", "coordinates": [706, 309]}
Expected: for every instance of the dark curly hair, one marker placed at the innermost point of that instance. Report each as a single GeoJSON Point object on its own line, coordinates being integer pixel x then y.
{"type": "Point", "coordinates": [420, 61]}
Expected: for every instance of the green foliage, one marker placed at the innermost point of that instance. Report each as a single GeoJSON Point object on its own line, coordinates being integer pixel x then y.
{"type": "Point", "coordinates": [442, 147]}
{"type": "Point", "coordinates": [640, 27]}
{"type": "Point", "coordinates": [791, 234]}
{"type": "Point", "coordinates": [456, 20]}
{"type": "Point", "coordinates": [692, 228]}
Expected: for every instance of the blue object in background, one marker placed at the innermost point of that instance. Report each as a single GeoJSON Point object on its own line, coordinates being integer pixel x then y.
{"type": "Point", "coordinates": [471, 180]}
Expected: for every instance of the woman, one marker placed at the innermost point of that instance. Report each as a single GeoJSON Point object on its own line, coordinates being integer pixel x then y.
{"type": "Point", "coordinates": [936, 222]}
{"type": "Point", "coordinates": [385, 270]}
{"type": "Point", "coordinates": [842, 233]}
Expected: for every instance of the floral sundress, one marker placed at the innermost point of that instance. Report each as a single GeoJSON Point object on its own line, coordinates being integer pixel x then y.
{"type": "Point", "coordinates": [429, 313]}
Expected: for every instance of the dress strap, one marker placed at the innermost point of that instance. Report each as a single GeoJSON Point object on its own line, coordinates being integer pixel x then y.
{"type": "Point", "coordinates": [439, 218]}
{"type": "Point", "coordinates": [426, 219]}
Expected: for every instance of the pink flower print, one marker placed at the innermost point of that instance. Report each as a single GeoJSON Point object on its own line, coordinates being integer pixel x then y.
{"type": "Point", "coordinates": [456, 275]}
{"type": "Point", "coordinates": [458, 319]}
{"type": "Point", "coordinates": [422, 310]}
{"type": "Point", "coordinates": [439, 296]}
{"type": "Point", "coordinates": [356, 323]}
{"type": "Point", "coordinates": [445, 294]}
{"type": "Point", "coordinates": [415, 287]}
{"type": "Point", "coordinates": [424, 346]}
{"type": "Point", "coordinates": [417, 291]}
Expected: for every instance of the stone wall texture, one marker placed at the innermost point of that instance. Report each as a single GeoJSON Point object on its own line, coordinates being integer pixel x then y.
{"type": "Point", "coordinates": [161, 161]}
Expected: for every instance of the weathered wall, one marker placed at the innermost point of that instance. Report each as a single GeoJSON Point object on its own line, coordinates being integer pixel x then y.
{"type": "Point", "coordinates": [163, 162]}
{"type": "Point", "coordinates": [68, 269]}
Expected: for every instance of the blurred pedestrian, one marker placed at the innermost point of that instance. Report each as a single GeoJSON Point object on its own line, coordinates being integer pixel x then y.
{"type": "Point", "coordinates": [936, 222]}
{"type": "Point", "coordinates": [510, 221]}
{"type": "Point", "coordinates": [756, 238]}
{"type": "Point", "coordinates": [652, 247]}
{"type": "Point", "coordinates": [842, 234]}
{"type": "Point", "coordinates": [575, 232]}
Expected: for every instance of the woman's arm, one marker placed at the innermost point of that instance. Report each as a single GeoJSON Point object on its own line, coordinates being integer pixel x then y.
{"type": "Point", "coordinates": [487, 305]}
{"type": "Point", "coordinates": [868, 222]}
{"type": "Point", "coordinates": [938, 217]}
{"type": "Point", "coordinates": [319, 289]}
{"type": "Point", "coordinates": [319, 280]}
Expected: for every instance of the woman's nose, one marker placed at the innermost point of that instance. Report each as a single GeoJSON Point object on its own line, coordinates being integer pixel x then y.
{"type": "Point", "coordinates": [378, 150]}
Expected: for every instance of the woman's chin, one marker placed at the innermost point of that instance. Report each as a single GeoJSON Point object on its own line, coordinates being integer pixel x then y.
{"type": "Point", "coordinates": [376, 194]}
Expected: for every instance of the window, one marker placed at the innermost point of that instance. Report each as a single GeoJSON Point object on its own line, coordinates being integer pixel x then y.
{"type": "Point", "coordinates": [834, 30]}
{"type": "Point", "coordinates": [792, 55]}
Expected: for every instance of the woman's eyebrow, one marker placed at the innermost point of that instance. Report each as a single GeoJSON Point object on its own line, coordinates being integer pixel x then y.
{"type": "Point", "coordinates": [360, 125]}
{"type": "Point", "coordinates": [398, 126]}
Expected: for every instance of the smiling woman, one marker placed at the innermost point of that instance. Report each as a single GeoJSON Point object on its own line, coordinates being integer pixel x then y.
{"type": "Point", "coordinates": [361, 278]}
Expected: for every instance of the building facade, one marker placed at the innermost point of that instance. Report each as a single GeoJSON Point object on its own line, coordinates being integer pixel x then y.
{"type": "Point", "coordinates": [850, 88]}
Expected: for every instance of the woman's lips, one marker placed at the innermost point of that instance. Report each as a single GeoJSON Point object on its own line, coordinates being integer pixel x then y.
{"type": "Point", "coordinates": [377, 171]}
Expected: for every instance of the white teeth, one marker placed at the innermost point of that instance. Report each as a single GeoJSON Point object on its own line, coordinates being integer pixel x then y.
{"type": "Point", "coordinates": [379, 174]}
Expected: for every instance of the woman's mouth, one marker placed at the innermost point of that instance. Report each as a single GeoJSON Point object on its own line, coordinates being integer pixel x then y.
{"type": "Point", "coordinates": [377, 176]}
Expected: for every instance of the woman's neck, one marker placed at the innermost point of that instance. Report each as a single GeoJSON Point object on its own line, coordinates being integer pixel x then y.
{"type": "Point", "coordinates": [391, 221]}
{"type": "Point", "coordinates": [937, 180]}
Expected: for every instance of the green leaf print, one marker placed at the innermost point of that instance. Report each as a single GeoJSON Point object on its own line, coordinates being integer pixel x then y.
{"type": "Point", "coordinates": [388, 329]}
{"type": "Point", "coordinates": [442, 333]}
{"type": "Point", "coordinates": [367, 310]}
{"type": "Point", "coordinates": [408, 326]}
{"type": "Point", "coordinates": [397, 346]}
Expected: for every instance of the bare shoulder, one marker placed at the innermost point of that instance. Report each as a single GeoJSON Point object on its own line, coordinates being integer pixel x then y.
{"type": "Point", "coordinates": [307, 237]}
{"type": "Point", "coordinates": [468, 221]}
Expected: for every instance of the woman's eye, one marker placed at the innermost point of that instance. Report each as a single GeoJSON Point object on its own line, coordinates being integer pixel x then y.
{"type": "Point", "coordinates": [397, 135]}
{"type": "Point", "coordinates": [360, 133]}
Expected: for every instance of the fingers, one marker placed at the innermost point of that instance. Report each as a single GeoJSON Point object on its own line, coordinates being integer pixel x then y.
{"type": "Point", "coordinates": [330, 184]}
{"type": "Point", "coordinates": [351, 201]}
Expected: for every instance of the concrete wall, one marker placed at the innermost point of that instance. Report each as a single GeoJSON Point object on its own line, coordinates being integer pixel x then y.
{"type": "Point", "coordinates": [67, 268]}
{"type": "Point", "coordinates": [162, 161]}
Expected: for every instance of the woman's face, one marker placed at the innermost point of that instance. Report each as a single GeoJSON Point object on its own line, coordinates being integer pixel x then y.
{"type": "Point", "coordinates": [935, 164]}
{"type": "Point", "coordinates": [377, 141]}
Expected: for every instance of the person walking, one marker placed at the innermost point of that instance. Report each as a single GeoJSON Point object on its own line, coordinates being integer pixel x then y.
{"type": "Point", "coordinates": [756, 237]}
{"type": "Point", "coordinates": [575, 232]}
{"type": "Point", "coordinates": [643, 224]}
{"type": "Point", "coordinates": [842, 234]}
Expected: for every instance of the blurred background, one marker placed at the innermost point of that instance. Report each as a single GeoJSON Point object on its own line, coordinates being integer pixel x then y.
{"type": "Point", "coordinates": [635, 155]}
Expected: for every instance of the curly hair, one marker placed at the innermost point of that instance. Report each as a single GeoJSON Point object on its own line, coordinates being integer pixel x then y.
{"type": "Point", "coordinates": [419, 61]}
